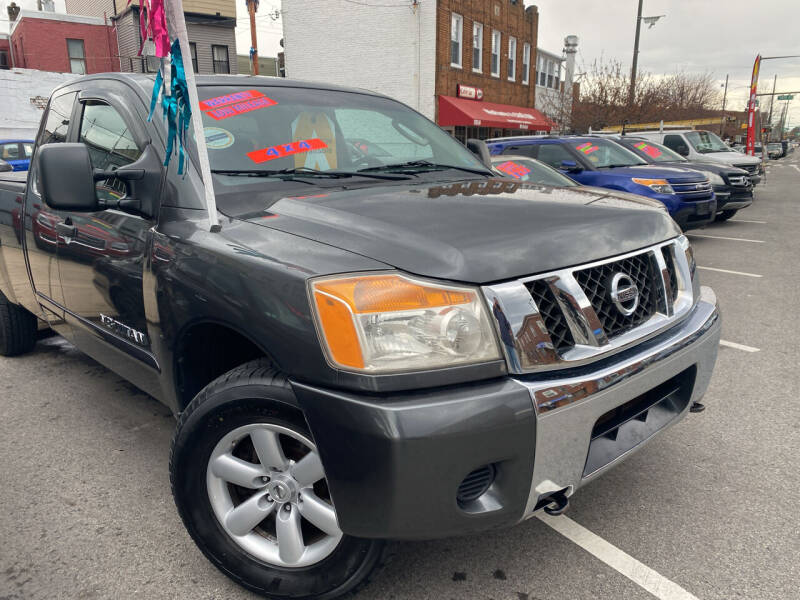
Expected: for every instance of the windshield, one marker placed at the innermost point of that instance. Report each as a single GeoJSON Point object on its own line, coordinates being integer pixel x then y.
{"type": "Point", "coordinates": [655, 152]}
{"type": "Point", "coordinates": [605, 154]}
{"type": "Point", "coordinates": [529, 170]}
{"type": "Point", "coordinates": [705, 142]}
{"type": "Point", "coordinates": [272, 129]}
{"type": "Point", "coordinates": [775, 146]}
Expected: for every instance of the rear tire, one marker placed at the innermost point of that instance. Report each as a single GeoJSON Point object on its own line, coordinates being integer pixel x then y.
{"type": "Point", "coordinates": [233, 429]}
{"type": "Point", "coordinates": [725, 215]}
{"type": "Point", "coordinates": [17, 329]}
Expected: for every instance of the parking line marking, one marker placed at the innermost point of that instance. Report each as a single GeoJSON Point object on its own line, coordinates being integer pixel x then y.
{"type": "Point", "coordinates": [639, 573]}
{"type": "Point", "coordinates": [731, 272]}
{"type": "Point", "coordinates": [738, 346]}
{"type": "Point", "coordinates": [719, 237]}
{"type": "Point", "coordinates": [746, 221]}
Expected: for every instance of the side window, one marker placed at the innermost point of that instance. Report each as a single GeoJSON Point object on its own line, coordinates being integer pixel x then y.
{"type": "Point", "coordinates": [110, 144]}
{"type": "Point", "coordinates": [57, 120]}
{"type": "Point", "coordinates": [526, 150]}
{"type": "Point", "coordinates": [676, 143]}
{"type": "Point", "coordinates": [553, 154]}
{"type": "Point", "coordinates": [27, 150]}
{"type": "Point", "coordinates": [9, 151]}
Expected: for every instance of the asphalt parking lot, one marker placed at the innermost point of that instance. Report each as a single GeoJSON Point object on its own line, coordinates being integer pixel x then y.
{"type": "Point", "coordinates": [709, 510]}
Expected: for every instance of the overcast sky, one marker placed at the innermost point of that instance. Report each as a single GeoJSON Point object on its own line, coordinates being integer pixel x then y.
{"type": "Point", "coordinates": [720, 36]}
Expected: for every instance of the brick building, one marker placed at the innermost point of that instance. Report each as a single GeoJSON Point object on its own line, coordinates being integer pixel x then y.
{"type": "Point", "coordinates": [50, 41]}
{"type": "Point", "coordinates": [210, 25]}
{"type": "Point", "coordinates": [467, 64]}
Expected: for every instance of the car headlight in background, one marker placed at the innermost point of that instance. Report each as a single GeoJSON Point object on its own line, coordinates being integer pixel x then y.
{"type": "Point", "coordinates": [715, 179]}
{"type": "Point", "coordinates": [660, 186]}
{"type": "Point", "coordinates": [390, 322]}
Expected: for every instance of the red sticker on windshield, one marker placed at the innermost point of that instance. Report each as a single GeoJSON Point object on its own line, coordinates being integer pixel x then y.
{"type": "Point", "coordinates": [587, 148]}
{"type": "Point", "coordinates": [225, 112]}
{"type": "Point", "coordinates": [651, 151]}
{"type": "Point", "coordinates": [273, 152]}
{"type": "Point", "coordinates": [516, 170]}
{"type": "Point", "coordinates": [230, 99]}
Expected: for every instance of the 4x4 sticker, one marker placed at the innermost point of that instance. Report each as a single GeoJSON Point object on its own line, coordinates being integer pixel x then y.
{"type": "Point", "coordinates": [516, 170]}
{"type": "Point", "coordinates": [281, 150]}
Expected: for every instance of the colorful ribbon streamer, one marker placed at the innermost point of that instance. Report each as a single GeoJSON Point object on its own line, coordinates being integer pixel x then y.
{"type": "Point", "coordinates": [153, 25]}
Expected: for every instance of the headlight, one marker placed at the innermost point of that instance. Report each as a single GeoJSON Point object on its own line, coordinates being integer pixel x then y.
{"type": "Point", "coordinates": [390, 322]}
{"type": "Point", "coordinates": [690, 259]}
{"type": "Point", "coordinates": [715, 179]}
{"type": "Point", "coordinates": [660, 186]}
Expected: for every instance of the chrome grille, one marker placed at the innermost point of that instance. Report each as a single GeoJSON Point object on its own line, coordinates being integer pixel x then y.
{"type": "Point", "coordinates": [90, 240]}
{"type": "Point", "coordinates": [752, 169]}
{"type": "Point", "coordinates": [739, 180]}
{"type": "Point", "coordinates": [596, 284]}
{"type": "Point", "coordinates": [552, 315]}
{"type": "Point", "coordinates": [566, 318]}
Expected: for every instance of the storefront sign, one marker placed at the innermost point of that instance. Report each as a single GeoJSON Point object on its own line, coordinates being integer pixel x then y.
{"type": "Point", "coordinates": [469, 92]}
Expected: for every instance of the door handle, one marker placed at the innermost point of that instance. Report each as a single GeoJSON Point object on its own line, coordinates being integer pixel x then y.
{"type": "Point", "coordinates": [66, 230]}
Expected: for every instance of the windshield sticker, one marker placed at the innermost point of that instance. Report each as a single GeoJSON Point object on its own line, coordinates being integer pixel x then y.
{"type": "Point", "coordinates": [516, 170]}
{"type": "Point", "coordinates": [225, 112]}
{"type": "Point", "coordinates": [281, 150]}
{"type": "Point", "coordinates": [218, 139]}
{"type": "Point", "coordinates": [230, 99]}
{"type": "Point", "coordinates": [587, 148]}
{"type": "Point", "coordinates": [651, 151]}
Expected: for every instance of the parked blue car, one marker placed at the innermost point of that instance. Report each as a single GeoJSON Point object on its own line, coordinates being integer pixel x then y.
{"type": "Point", "coordinates": [598, 162]}
{"type": "Point", "coordinates": [17, 153]}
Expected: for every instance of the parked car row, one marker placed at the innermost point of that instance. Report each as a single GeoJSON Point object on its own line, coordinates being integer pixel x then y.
{"type": "Point", "coordinates": [695, 192]}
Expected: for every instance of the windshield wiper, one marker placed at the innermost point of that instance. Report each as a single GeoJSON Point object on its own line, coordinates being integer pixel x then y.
{"type": "Point", "coordinates": [307, 172]}
{"type": "Point", "coordinates": [426, 165]}
{"type": "Point", "coordinates": [615, 166]}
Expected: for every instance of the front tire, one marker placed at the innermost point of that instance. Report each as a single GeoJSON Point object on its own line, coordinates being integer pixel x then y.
{"type": "Point", "coordinates": [251, 490]}
{"type": "Point", "coordinates": [17, 329]}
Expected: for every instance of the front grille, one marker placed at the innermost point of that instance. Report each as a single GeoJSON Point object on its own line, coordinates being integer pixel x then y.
{"type": "Point", "coordinates": [475, 484]}
{"type": "Point", "coordinates": [752, 169]}
{"type": "Point", "coordinates": [552, 315]}
{"type": "Point", "coordinates": [673, 274]}
{"type": "Point", "coordinates": [698, 190]}
{"type": "Point", "coordinates": [596, 282]}
{"type": "Point", "coordinates": [738, 180]}
{"type": "Point", "coordinates": [90, 240]}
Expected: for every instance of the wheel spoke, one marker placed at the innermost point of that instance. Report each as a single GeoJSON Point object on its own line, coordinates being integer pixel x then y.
{"type": "Point", "coordinates": [309, 470]}
{"type": "Point", "coordinates": [320, 513]}
{"type": "Point", "coordinates": [242, 519]}
{"type": "Point", "coordinates": [290, 536]}
{"type": "Point", "coordinates": [237, 471]}
{"type": "Point", "coordinates": [268, 448]}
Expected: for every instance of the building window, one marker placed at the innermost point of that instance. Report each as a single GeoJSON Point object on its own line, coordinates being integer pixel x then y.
{"type": "Point", "coordinates": [77, 57]}
{"type": "Point", "coordinates": [542, 71]}
{"type": "Point", "coordinates": [512, 58]}
{"type": "Point", "coordinates": [193, 51]}
{"type": "Point", "coordinates": [220, 56]}
{"type": "Point", "coordinates": [495, 53]}
{"type": "Point", "coordinates": [477, 47]}
{"type": "Point", "coordinates": [4, 64]}
{"type": "Point", "coordinates": [526, 63]}
{"type": "Point", "coordinates": [456, 33]}
{"type": "Point", "coordinates": [556, 74]}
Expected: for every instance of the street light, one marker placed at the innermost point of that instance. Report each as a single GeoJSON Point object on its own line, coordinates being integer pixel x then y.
{"type": "Point", "coordinates": [651, 21]}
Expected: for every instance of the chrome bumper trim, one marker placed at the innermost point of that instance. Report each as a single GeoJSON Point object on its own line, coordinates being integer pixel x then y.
{"type": "Point", "coordinates": [563, 432]}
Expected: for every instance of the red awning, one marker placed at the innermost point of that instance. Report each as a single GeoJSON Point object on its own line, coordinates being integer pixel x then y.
{"type": "Point", "coordinates": [475, 113]}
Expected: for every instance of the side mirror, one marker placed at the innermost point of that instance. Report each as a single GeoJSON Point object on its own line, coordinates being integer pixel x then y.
{"type": "Point", "coordinates": [481, 150]}
{"type": "Point", "coordinates": [570, 166]}
{"type": "Point", "coordinates": [66, 177]}
{"type": "Point", "coordinates": [682, 150]}
{"type": "Point", "coordinates": [68, 180]}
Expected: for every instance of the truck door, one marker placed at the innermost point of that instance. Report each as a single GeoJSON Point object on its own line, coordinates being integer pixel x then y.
{"type": "Point", "coordinates": [40, 224]}
{"type": "Point", "coordinates": [102, 260]}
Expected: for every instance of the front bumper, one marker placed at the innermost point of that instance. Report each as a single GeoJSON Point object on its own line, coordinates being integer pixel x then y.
{"type": "Point", "coordinates": [732, 197]}
{"type": "Point", "coordinates": [692, 215]}
{"type": "Point", "coordinates": [394, 462]}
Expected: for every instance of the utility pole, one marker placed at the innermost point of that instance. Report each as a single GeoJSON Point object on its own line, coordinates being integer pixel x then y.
{"type": "Point", "coordinates": [635, 54]}
{"type": "Point", "coordinates": [252, 6]}
{"type": "Point", "coordinates": [772, 101]}
{"type": "Point", "coordinates": [724, 99]}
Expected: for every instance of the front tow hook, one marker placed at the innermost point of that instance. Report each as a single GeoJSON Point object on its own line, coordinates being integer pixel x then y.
{"type": "Point", "coordinates": [553, 503]}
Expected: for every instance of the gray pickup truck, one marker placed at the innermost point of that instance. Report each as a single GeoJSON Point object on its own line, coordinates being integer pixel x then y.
{"type": "Point", "coordinates": [380, 341]}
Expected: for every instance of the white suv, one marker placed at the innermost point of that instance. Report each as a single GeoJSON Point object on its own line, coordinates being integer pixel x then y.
{"type": "Point", "coordinates": [701, 145]}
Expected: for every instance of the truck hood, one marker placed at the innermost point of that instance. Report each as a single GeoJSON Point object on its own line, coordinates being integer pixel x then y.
{"type": "Point", "coordinates": [473, 231]}
{"type": "Point", "coordinates": [732, 157]}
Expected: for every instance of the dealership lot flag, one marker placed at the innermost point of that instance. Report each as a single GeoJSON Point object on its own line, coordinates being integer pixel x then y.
{"type": "Point", "coordinates": [751, 110]}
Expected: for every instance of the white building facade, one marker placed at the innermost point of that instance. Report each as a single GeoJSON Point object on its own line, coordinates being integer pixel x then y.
{"type": "Point", "coordinates": [555, 74]}
{"type": "Point", "coordinates": [394, 44]}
